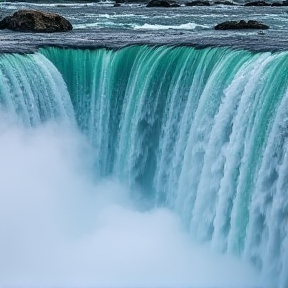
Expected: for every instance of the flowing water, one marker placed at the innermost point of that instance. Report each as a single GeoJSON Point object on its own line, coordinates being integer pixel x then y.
{"type": "Point", "coordinates": [99, 24]}
{"type": "Point", "coordinates": [134, 166]}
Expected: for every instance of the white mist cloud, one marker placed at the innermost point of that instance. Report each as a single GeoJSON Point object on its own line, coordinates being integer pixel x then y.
{"type": "Point", "coordinates": [59, 227]}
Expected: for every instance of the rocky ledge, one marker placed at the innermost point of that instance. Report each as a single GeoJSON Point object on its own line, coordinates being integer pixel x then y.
{"type": "Point", "coordinates": [251, 24]}
{"type": "Point", "coordinates": [263, 3]}
{"type": "Point", "coordinates": [162, 3]}
{"type": "Point", "coordinates": [198, 3]}
{"type": "Point", "coordinates": [35, 21]}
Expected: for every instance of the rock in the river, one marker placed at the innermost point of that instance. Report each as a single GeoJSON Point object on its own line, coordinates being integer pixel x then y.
{"type": "Point", "coordinates": [251, 24]}
{"type": "Point", "coordinates": [35, 21]}
{"type": "Point", "coordinates": [257, 3]}
{"type": "Point", "coordinates": [198, 3]}
{"type": "Point", "coordinates": [224, 2]}
{"type": "Point", "coordinates": [162, 3]}
{"type": "Point", "coordinates": [158, 3]}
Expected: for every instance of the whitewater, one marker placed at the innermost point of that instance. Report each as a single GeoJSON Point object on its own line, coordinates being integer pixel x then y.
{"type": "Point", "coordinates": [144, 167]}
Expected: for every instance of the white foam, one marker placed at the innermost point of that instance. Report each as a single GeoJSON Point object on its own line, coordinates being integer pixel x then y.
{"type": "Point", "coordinates": [99, 25]}
{"type": "Point", "coordinates": [61, 227]}
{"type": "Point", "coordinates": [187, 26]}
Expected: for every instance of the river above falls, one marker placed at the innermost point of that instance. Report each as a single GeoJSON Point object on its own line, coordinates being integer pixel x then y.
{"type": "Point", "coordinates": [102, 25]}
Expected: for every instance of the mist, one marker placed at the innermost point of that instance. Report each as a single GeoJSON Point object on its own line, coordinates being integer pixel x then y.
{"type": "Point", "coordinates": [62, 226]}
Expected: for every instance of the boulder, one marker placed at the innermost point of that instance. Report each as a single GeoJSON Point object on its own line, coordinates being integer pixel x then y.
{"type": "Point", "coordinates": [276, 4]}
{"type": "Point", "coordinates": [35, 21]}
{"type": "Point", "coordinates": [198, 3]}
{"type": "Point", "coordinates": [257, 3]}
{"type": "Point", "coordinates": [158, 3]}
{"type": "Point", "coordinates": [221, 2]}
{"type": "Point", "coordinates": [230, 25]}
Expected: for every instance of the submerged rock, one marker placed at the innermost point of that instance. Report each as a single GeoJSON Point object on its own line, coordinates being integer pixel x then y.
{"type": "Point", "coordinates": [162, 3]}
{"type": "Point", "coordinates": [158, 3]}
{"type": "Point", "coordinates": [224, 2]}
{"type": "Point", "coordinates": [257, 3]}
{"type": "Point", "coordinates": [251, 24]}
{"type": "Point", "coordinates": [35, 21]}
{"type": "Point", "coordinates": [198, 3]}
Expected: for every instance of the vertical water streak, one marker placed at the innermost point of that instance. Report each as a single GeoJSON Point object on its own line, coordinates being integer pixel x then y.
{"type": "Point", "coordinates": [176, 102]}
{"type": "Point", "coordinates": [142, 115]}
{"type": "Point", "coordinates": [240, 95]}
{"type": "Point", "coordinates": [214, 157]}
{"type": "Point", "coordinates": [266, 240]}
{"type": "Point", "coordinates": [256, 115]}
{"type": "Point", "coordinates": [33, 89]}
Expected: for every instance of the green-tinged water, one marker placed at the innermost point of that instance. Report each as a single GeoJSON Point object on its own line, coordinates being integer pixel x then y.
{"type": "Point", "coordinates": [32, 87]}
{"type": "Point", "coordinates": [203, 132]}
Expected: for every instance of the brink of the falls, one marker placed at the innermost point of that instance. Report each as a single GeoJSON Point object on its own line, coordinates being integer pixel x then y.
{"type": "Point", "coordinates": [200, 132]}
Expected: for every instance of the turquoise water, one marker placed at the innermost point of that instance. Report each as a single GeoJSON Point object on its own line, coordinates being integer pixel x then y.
{"type": "Point", "coordinates": [203, 132]}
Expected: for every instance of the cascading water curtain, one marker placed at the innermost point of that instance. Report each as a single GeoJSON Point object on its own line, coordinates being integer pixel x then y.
{"type": "Point", "coordinates": [33, 89]}
{"type": "Point", "coordinates": [204, 132]}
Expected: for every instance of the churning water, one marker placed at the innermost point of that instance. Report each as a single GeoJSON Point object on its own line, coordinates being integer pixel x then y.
{"type": "Point", "coordinates": [116, 166]}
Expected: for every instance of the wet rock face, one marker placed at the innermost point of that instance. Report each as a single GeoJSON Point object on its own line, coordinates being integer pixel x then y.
{"type": "Point", "coordinates": [257, 3]}
{"type": "Point", "coordinates": [158, 3]}
{"type": "Point", "coordinates": [35, 21]}
{"type": "Point", "coordinates": [263, 3]}
{"type": "Point", "coordinates": [198, 3]}
{"type": "Point", "coordinates": [251, 24]}
{"type": "Point", "coordinates": [225, 2]}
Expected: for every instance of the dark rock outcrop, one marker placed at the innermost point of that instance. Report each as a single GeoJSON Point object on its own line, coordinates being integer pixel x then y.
{"type": "Point", "coordinates": [257, 3]}
{"type": "Point", "coordinates": [198, 3]}
{"type": "Point", "coordinates": [262, 3]}
{"type": "Point", "coordinates": [158, 3]}
{"type": "Point", "coordinates": [224, 3]}
{"type": "Point", "coordinates": [35, 21]}
{"type": "Point", "coordinates": [231, 25]}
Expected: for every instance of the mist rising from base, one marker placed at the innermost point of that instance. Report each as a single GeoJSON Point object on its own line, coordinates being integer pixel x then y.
{"type": "Point", "coordinates": [60, 226]}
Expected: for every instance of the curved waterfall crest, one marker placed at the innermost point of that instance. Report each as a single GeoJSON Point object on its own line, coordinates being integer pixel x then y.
{"type": "Point", "coordinates": [32, 88]}
{"type": "Point", "coordinates": [202, 131]}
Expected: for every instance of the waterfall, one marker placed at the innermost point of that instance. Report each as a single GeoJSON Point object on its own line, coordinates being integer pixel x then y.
{"type": "Point", "coordinates": [203, 132]}
{"type": "Point", "coordinates": [32, 88]}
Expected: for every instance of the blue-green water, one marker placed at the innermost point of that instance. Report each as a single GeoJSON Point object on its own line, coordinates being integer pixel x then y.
{"type": "Point", "coordinates": [203, 132]}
